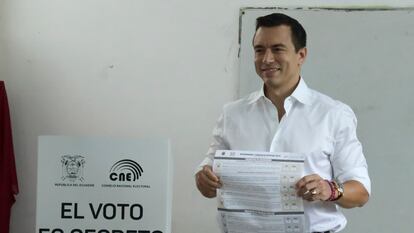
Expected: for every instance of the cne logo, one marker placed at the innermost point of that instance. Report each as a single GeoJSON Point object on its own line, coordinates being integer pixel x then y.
{"type": "Point", "coordinates": [125, 170]}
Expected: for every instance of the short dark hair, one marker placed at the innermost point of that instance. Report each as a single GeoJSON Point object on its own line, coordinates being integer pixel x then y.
{"type": "Point", "coordinates": [298, 33]}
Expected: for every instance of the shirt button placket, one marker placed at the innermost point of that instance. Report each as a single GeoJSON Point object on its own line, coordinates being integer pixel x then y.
{"type": "Point", "coordinates": [287, 106]}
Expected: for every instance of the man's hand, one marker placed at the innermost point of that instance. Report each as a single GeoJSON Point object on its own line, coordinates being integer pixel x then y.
{"type": "Point", "coordinates": [207, 182]}
{"type": "Point", "coordinates": [313, 187]}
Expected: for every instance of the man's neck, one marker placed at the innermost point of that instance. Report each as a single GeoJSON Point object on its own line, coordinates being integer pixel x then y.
{"type": "Point", "coordinates": [278, 95]}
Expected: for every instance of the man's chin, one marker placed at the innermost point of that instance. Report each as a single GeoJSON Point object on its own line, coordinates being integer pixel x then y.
{"type": "Point", "coordinates": [272, 81]}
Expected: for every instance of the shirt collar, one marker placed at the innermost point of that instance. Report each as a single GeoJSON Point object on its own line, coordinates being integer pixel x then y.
{"type": "Point", "coordinates": [301, 93]}
{"type": "Point", "coordinates": [255, 96]}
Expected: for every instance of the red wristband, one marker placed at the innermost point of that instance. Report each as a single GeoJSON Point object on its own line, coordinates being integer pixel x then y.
{"type": "Point", "coordinates": [332, 187]}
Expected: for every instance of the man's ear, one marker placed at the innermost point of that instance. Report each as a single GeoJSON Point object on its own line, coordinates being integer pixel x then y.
{"type": "Point", "coordinates": [302, 53]}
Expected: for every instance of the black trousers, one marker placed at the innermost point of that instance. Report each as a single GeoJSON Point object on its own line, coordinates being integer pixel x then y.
{"type": "Point", "coordinates": [321, 232]}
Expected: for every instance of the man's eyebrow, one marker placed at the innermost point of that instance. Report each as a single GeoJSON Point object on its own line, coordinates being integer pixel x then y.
{"type": "Point", "coordinates": [258, 46]}
{"type": "Point", "coordinates": [279, 45]}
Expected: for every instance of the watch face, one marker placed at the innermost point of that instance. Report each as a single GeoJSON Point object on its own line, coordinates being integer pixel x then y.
{"type": "Point", "coordinates": [339, 187]}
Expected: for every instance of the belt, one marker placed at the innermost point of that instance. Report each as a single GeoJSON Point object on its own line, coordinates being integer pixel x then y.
{"type": "Point", "coordinates": [321, 232]}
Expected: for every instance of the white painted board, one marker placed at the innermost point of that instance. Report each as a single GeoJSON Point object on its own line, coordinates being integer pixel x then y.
{"type": "Point", "coordinates": [362, 57]}
{"type": "Point", "coordinates": [103, 185]}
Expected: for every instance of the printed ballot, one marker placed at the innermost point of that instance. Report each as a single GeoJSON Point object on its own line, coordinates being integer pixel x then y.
{"type": "Point", "coordinates": [258, 192]}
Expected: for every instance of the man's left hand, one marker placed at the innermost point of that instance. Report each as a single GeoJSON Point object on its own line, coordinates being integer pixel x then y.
{"type": "Point", "coordinates": [313, 188]}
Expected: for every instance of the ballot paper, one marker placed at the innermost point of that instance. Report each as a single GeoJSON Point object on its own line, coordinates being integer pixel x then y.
{"type": "Point", "coordinates": [258, 193]}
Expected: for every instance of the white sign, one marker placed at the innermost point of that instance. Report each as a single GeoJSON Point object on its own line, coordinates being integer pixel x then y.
{"type": "Point", "coordinates": [103, 185]}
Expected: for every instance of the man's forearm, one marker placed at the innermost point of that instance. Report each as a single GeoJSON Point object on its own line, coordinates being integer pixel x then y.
{"type": "Point", "coordinates": [355, 195]}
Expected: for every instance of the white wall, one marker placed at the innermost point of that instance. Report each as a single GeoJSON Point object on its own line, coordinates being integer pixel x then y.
{"type": "Point", "coordinates": [125, 68]}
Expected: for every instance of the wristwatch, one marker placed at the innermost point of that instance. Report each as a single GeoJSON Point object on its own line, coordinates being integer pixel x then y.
{"type": "Point", "coordinates": [339, 187]}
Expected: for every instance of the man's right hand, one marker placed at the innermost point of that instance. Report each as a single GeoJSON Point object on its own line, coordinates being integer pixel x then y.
{"type": "Point", "coordinates": [207, 182]}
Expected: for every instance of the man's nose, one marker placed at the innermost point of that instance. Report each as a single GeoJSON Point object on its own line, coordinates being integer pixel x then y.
{"type": "Point", "coordinates": [268, 57]}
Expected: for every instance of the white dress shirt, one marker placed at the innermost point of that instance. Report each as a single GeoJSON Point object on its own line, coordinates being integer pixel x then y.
{"type": "Point", "coordinates": [314, 124]}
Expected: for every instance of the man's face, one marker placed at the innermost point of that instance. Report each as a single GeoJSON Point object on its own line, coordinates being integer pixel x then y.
{"type": "Point", "coordinates": [276, 60]}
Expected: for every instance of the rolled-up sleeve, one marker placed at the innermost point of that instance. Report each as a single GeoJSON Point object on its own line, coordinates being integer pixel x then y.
{"type": "Point", "coordinates": [348, 160]}
{"type": "Point", "coordinates": [218, 143]}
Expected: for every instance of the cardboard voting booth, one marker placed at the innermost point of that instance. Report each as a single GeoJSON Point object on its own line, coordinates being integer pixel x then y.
{"type": "Point", "coordinates": [103, 185]}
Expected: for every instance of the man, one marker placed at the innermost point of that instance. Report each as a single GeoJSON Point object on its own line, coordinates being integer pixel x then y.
{"type": "Point", "coordinates": [287, 116]}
